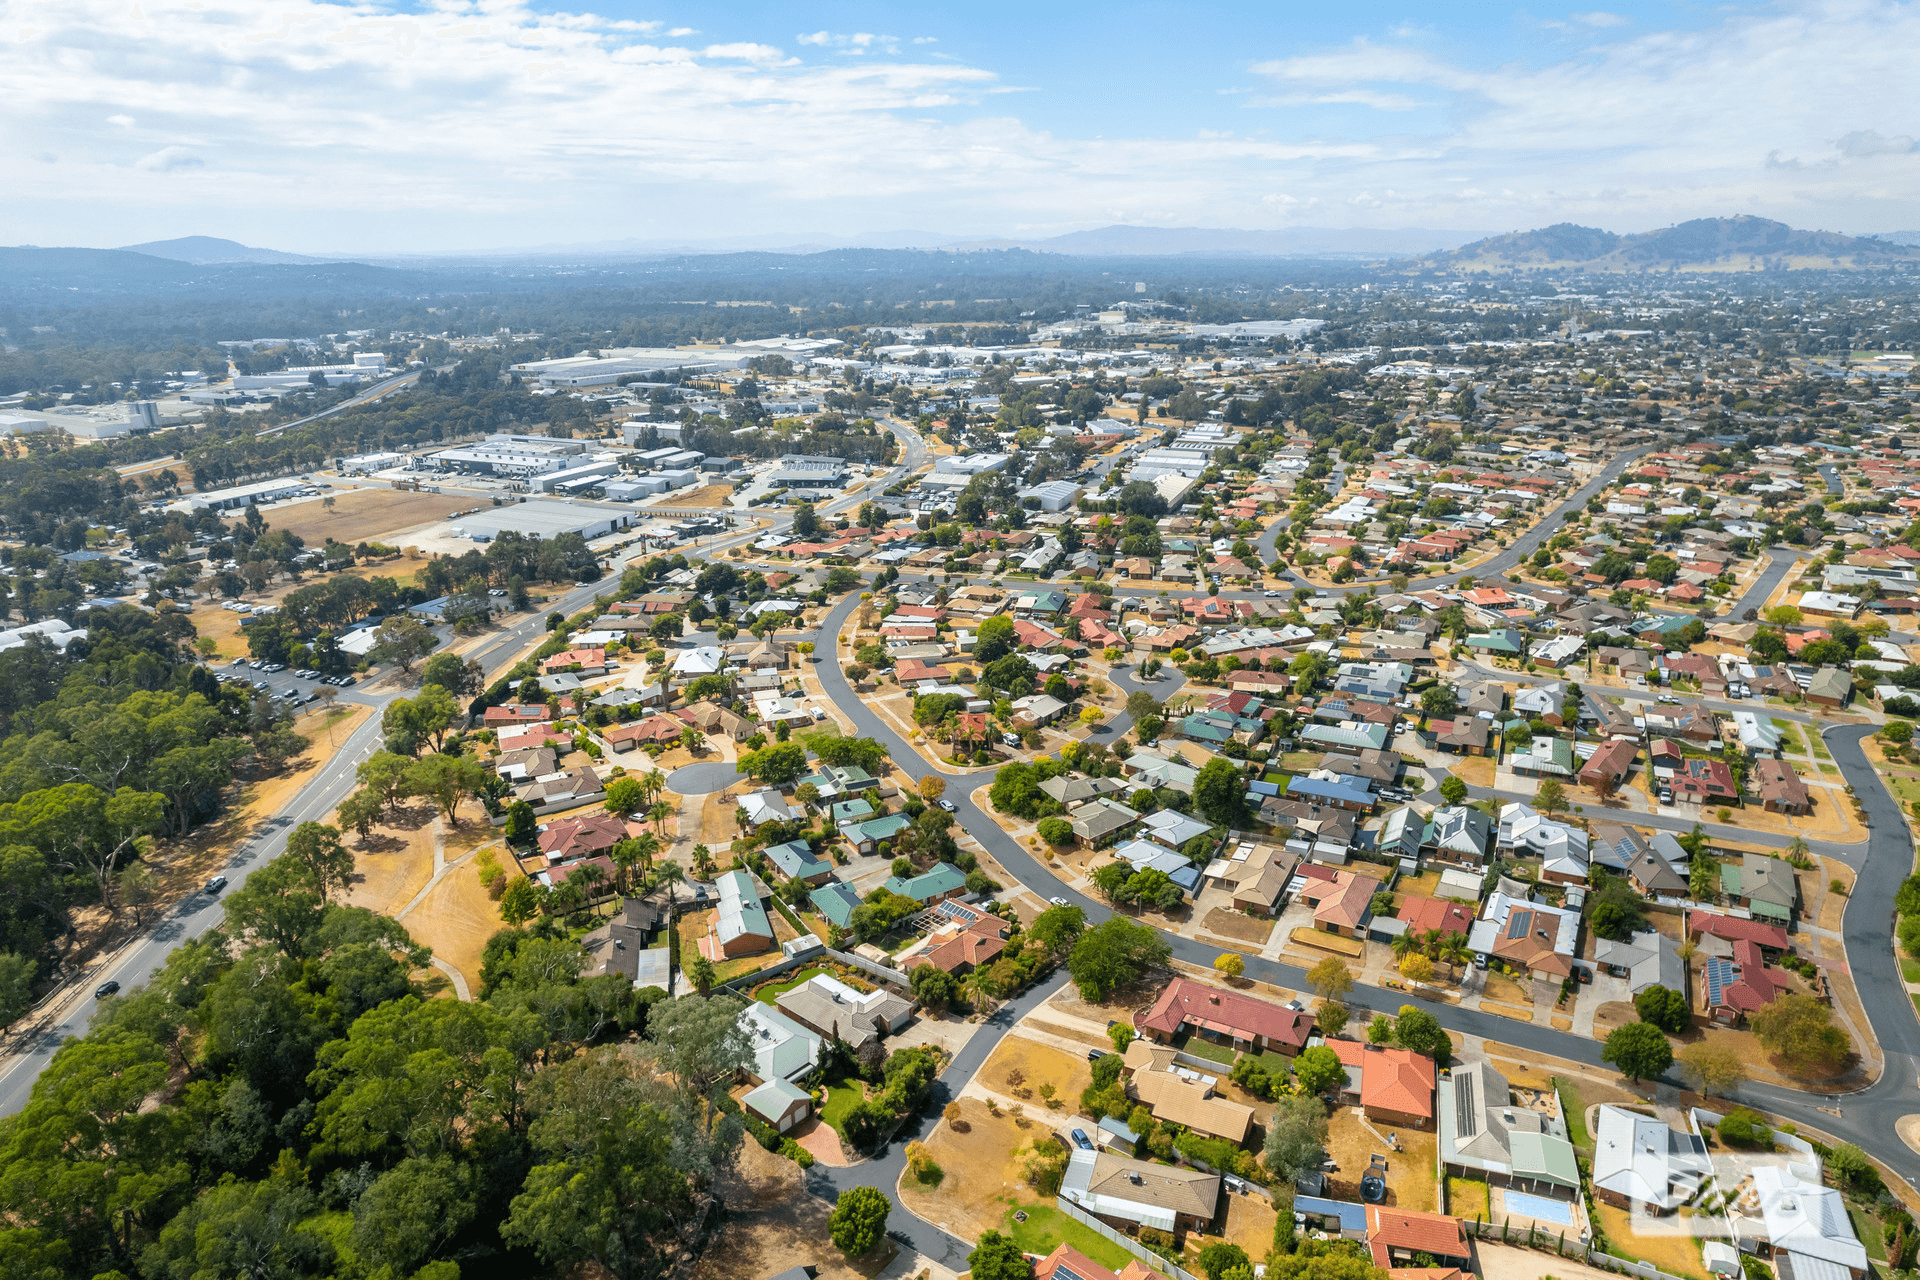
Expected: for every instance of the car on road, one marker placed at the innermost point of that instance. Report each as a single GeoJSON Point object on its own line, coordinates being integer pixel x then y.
{"type": "Point", "coordinates": [1094, 1055]}
{"type": "Point", "coordinates": [1081, 1140]}
{"type": "Point", "coordinates": [105, 989]}
{"type": "Point", "coordinates": [1058, 902]}
{"type": "Point", "coordinates": [1667, 699]}
{"type": "Point", "coordinates": [216, 884]}
{"type": "Point", "coordinates": [946, 804]}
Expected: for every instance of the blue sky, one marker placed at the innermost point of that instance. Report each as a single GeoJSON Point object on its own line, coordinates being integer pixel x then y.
{"type": "Point", "coordinates": [464, 124]}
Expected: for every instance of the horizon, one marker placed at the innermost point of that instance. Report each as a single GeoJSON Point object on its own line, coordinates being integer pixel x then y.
{"type": "Point", "coordinates": [388, 130]}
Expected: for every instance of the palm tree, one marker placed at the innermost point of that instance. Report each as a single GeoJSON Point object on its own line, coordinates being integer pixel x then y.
{"type": "Point", "coordinates": [669, 874]}
{"type": "Point", "coordinates": [660, 812]}
{"type": "Point", "coordinates": [590, 877]}
{"type": "Point", "coordinates": [624, 854]}
{"type": "Point", "coordinates": [654, 782]}
{"type": "Point", "coordinates": [1453, 948]}
{"type": "Point", "coordinates": [1404, 945]}
{"type": "Point", "coordinates": [646, 847]}
{"type": "Point", "coordinates": [703, 863]}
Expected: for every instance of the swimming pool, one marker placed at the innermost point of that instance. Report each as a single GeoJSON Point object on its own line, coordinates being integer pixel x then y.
{"type": "Point", "coordinates": [1539, 1208]}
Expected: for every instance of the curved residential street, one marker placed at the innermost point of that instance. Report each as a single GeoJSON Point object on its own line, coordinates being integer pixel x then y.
{"type": "Point", "coordinates": [1867, 1117]}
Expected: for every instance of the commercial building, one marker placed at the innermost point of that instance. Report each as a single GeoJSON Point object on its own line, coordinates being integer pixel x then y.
{"type": "Point", "coordinates": [607, 367]}
{"type": "Point", "coordinates": [516, 456]}
{"type": "Point", "coordinates": [542, 518]}
{"type": "Point", "coordinates": [245, 495]}
{"type": "Point", "coordinates": [809, 471]}
{"type": "Point", "coordinates": [365, 364]}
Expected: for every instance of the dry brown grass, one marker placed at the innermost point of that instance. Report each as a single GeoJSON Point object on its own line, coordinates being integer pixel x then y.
{"type": "Point", "coordinates": [456, 919]}
{"type": "Point", "coordinates": [1040, 1064]}
{"type": "Point", "coordinates": [982, 1175]}
{"type": "Point", "coordinates": [708, 495]}
{"type": "Point", "coordinates": [1675, 1254]}
{"type": "Point", "coordinates": [772, 1222]}
{"type": "Point", "coordinates": [367, 515]}
{"type": "Point", "coordinates": [1410, 1171]}
{"type": "Point", "coordinates": [1237, 924]}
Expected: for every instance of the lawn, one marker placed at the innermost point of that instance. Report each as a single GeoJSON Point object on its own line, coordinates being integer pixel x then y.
{"type": "Point", "coordinates": [1321, 940]}
{"type": "Point", "coordinates": [1676, 1254]}
{"type": "Point", "coordinates": [1819, 747]}
{"type": "Point", "coordinates": [1867, 1227]}
{"type": "Point", "coordinates": [1466, 1198]}
{"type": "Point", "coordinates": [1187, 1042]}
{"type": "Point", "coordinates": [1910, 969]}
{"type": "Point", "coordinates": [1047, 1227]}
{"type": "Point", "coordinates": [1575, 1112]}
{"type": "Point", "coordinates": [841, 1098]}
{"type": "Point", "coordinates": [766, 994]}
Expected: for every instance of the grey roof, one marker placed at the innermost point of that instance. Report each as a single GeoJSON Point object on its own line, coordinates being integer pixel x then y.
{"type": "Point", "coordinates": [1645, 1160]}
{"type": "Point", "coordinates": [740, 911]}
{"type": "Point", "coordinates": [1650, 957]}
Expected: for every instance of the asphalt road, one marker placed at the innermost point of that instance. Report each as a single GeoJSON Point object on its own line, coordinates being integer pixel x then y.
{"type": "Point", "coordinates": [1866, 1118]}
{"type": "Point", "coordinates": [1780, 562]}
{"type": "Point", "coordinates": [375, 392]}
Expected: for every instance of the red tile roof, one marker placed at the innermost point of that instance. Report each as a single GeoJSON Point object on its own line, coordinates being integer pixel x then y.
{"type": "Point", "coordinates": [1735, 929]}
{"type": "Point", "coordinates": [1394, 1079]}
{"type": "Point", "coordinates": [1405, 1229]}
{"type": "Point", "coordinates": [1424, 915]}
{"type": "Point", "coordinates": [578, 837]}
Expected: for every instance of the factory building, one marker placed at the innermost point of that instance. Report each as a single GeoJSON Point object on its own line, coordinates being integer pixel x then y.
{"type": "Point", "coordinates": [244, 495]}
{"type": "Point", "coordinates": [542, 518]}
{"type": "Point", "coordinates": [366, 364]}
{"type": "Point", "coordinates": [809, 471]}
{"type": "Point", "coordinates": [518, 456]}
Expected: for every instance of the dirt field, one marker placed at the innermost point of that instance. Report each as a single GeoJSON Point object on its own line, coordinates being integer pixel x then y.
{"type": "Point", "coordinates": [1237, 924]}
{"type": "Point", "coordinates": [1676, 1254]}
{"type": "Point", "coordinates": [711, 495]}
{"type": "Point", "coordinates": [982, 1176]}
{"type": "Point", "coordinates": [1351, 1143]}
{"type": "Point", "coordinates": [366, 515]}
{"type": "Point", "coordinates": [1042, 1064]}
{"type": "Point", "coordinates": [773, 1223]}
{"type": "Point", "coordinates": [456, 919]}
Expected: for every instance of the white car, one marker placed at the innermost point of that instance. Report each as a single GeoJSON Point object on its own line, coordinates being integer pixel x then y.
{"type": "Point", "coordinates": [1058, 902]}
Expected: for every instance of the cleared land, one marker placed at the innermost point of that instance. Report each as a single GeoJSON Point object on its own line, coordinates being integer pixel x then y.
{"type": "Point", "coordinates": [456, 919]}
{"type": "Point", "coordinates": [771, 1221]}
{"type": "Point", "coordinates": [361, 515]}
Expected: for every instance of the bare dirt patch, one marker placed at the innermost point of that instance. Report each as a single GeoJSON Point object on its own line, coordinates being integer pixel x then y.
{"type": "Point", "coordinates": [367, 515]}
{"type": "Point", "coordinates": [1237, 924]}
{"type": "Point", "coordinates": [982, 1177]}
{"type": "Point", "coordinates": [394, 862]}
{"type": "Point", "coordinates": [1037, 1064]}
{"type": "Point", "coordinates": [707, 495]}
{"type": "Point", "coordinates": [772, 1222]}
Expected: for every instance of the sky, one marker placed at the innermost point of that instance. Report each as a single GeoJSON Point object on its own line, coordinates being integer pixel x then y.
{"type": "Point", "coordinates": [388, 127]}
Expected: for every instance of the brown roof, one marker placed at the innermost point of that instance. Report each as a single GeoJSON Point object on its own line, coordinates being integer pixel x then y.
{"type": "Point", "coordinates": [1182, 1191]}
{"type": "Point", "coordinates": [1414, 1232]}
{"type": "Point", "coordinates": [1776, 780]}
{"type": "Point", "coordinates": [1342, 900]}
{"type": "Point", "coordinates": [1424, 915]}
{"type": "Point", "coordinates": [1191, 1104]}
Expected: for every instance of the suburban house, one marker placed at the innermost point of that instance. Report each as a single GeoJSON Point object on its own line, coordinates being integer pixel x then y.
{"type": "Point", "coordinates": [829, 1007]}
{"type": "Point", "coordinates": [1067, 1263]}
{"type": "Point", "coordinates": [1192, 1104]}
{"type": "Point", "coordinates": [766, 805]}
{"type": "Point", "coordinates": [1809, 1234]}
{"type": "Point", "coordinates": [1609, 766]}
{"type": "Point", "coordinates": [1739, 985]}
{"type": "Point", "coordinates": [836, 901]}
{"type": "Point", "coordinates": [796, 861]}
{"type": "Point", "coordinates": [1340, 899]}
{"type": "Point", "coordinates": [1257, 877]}
{"type": "Point", "coordinates": [1562, 849]}
{"type": "Point", "coordinates": [1485, 1134]}
{"type": "Point", "coordinates": [1643, 1165]}
{"type": "Point", "coordinates": [741, 927]}
{"type": "Point", "coordinates": [1224, 1017]}
{"type": "Point", "coordinates": [940, 882]}
{"type": "Point", "coordinates": [1459, 835]}
{"type": "Point", "coordinates": [1544, 757]}
{"type": "Point", "coordinates": [664, 730]}
{"type": "Point", "coordinates": [780, 1103]}
{"type": "Point", "coordinates": [1703, 782]}
{"type": "Point", "coordinates": [1647, 959]}
{"type": "Point", "coordinates": [1123, 1192]}
{"type": "Point", "coordinates": [1780, 788]}
{"type": "Point", "coordinates": [1099, 822]}
{"type": "Point", "coordinates": [514, 713]}
{"type": "Point", "coordinates": [1531, 937]}
{"type": "Point", "coordinates": [1715, 933]}
{"type": "Point", "coordinates": [1654, 876]}
{"type": "Point", "coordinates": [1830, 687]}
{"type": "Point", "coordinates": [1392, 1086]}
{"type": "Point", "coordinates": [1405, 1238]}
{"type": "Point", "coordinates": [1763, 884]}
{"type": "Point", "coordinates": [782, 1049]}
{"type": "Point", "coordinates": [569, 839]}
{"type": "Point", "coordinates": [1462, 736]}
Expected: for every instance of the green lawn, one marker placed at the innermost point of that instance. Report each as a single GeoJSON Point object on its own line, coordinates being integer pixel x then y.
{"type": "Point", "coordinates": [1575, 1112]}
{"type": "Point", "coordinates": [767, 993]}
{"type": "Point", "coordinates": [1187, 1042]}
{"type": "Point", "coordinates": [841, 1098]}
{"type": "Point", "coordinates": [1813, 738]}
{"type": "Point", "coordinates": [1867, 1227]}
{"type": "Point", "coordinates": [1910, 969]}
{"type": "Point", "coordinates": [1047, 1227]}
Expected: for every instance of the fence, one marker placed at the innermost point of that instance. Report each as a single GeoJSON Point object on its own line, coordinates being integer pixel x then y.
{"type": "Point", "coordinates": [1533, 1238]}
{"type": "Point", "coordinates": [879, 973]}
{"type": "Point", "coordinates": [1125, 1241]}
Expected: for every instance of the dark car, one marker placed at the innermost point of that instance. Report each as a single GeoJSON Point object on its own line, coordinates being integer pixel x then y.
{"type": "Point", "coordinates": [105, 989]}
{"type": "Point", "coordinates": [1094, 1055]}
{"type": "Point", "coordinates": [1081, 1140]}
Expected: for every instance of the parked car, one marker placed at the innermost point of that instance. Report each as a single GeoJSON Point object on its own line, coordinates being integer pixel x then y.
{"type": "Point", "coordinates": [946, 804]}
{"type": "Point", "coordinates": [1094, 1055]}
{"type": "Point", "coordinates": [1010, 739]}
{"type": "Point", "coordinates": [1081, 1140]}
{"type": "Point", "coordinates": [1666, 795]}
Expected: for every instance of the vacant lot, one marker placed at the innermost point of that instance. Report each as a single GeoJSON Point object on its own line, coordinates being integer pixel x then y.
{"type": "Point", "coordinates": [1037, 1064]}
{"type": "Point", "coordinates": [456, 918]}
{"type": "Point", "coordinates": [982, 1176]}
{"type": "Point", "coordinates": [712, 495]}
{"type": "Point", "coordinates": [1677, 1255]}
{"type": "Point", "coordinates": [366, 515]}
{"type": "Point", "coordinates": [1237, 924]}
{"type": "Point", "coordinates": [772, 1221]}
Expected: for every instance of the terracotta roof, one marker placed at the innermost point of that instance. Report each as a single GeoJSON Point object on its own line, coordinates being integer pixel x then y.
{"type": "Point", "coordinates": [1395, 1079]}
{"type": "Point", "coordinates": [1424, 915]}
{"type": "Point", "coordinates": [1736, 929]}
{"type": "Point", "coordinates": [1433, 1233]}
{"type": "Point", "coordinates": [573, 837]}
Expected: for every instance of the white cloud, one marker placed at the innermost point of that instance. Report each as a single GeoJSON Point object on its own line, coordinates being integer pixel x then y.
{"type": "Point", "coordinates": [1601, 18]}
{"type": "Point", "coordinates": [169, 160]}
{"type": "Point", "coordinates": [478, 123]}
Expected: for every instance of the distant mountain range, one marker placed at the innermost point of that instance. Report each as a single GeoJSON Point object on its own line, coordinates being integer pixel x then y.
{"type": "Point", "coordinates": [203, 251]}
{"type": "Point", "coordinates": [1743, 243]}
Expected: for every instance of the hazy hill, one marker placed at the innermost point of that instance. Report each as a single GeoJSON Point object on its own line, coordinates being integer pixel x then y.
{"type": "Point", "coordinates": [1127, 241]}
{"type": "Point", "coordinates": [1744, 243]}
{"type": "Point", "coordinates": [211, 250]}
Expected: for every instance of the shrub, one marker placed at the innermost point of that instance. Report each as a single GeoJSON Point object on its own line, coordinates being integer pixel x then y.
{"type": "Point", "coordinates": [1744, 1128]}
{"type": "Point", "coordinates": [796, 1153]}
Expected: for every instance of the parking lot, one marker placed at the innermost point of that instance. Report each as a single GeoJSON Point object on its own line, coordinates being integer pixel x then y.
{"type": "Point", "coordinates": [295, 688]}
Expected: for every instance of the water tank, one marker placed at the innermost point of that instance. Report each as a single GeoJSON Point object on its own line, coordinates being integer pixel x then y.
{"type": "Point", "coordinates": [1373, 1189]}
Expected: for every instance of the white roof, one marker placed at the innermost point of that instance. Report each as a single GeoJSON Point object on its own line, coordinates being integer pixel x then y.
{"type": "Point", "coordinates": [705, 660]}
{"type": "Point", "coordinates": [1641, 1158]}
{"type": "Point", "coordinates": [1802, 1218]}
{"type": "Point", "coordinates": [782, 1048]}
